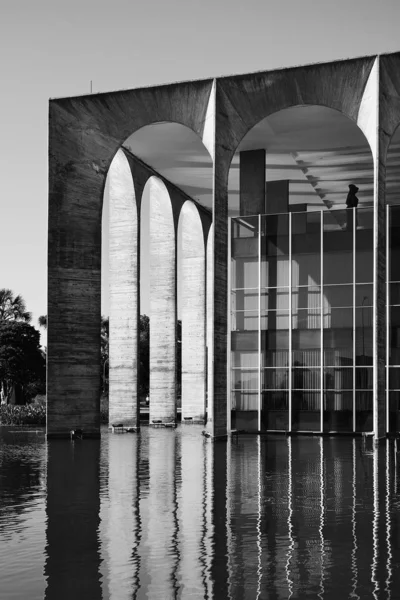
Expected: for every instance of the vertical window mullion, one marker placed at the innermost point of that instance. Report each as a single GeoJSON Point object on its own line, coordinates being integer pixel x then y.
{"type": "Point", "coordinates": [387, 314]}
{"type": "Point", "coordinates": [322, 318]}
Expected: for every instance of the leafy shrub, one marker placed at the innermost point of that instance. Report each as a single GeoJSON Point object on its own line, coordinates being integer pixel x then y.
{"type": "Point", "coordinates": [28, 414]}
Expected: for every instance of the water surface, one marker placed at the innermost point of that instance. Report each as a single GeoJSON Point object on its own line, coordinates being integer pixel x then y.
{"type": "Point", "coordinates": [168, 514]}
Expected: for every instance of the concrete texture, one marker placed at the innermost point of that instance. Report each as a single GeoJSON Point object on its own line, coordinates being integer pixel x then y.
{"type": "Point", "coordinates": [162, 305]}
{"type": "Point", "coordinates": [123, 273]}
{"type": "Point", "coordinates": [192, 314]}
{"type": "Point", "coordinates": [86, 132]}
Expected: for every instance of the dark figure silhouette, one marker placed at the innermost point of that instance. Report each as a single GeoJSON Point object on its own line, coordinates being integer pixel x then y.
{"type": "Point", "coordinates": [351, 202]}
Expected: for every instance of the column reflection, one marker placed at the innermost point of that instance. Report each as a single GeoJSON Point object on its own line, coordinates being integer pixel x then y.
{"type": "Point", "coordinates": [290, 548]}
{"type": "Point", "coordinates": [354, 568]}
{"type": "Point", "coordinates": [322, 518]}
{"type": "Point", "coordinates": [123, 523]}
{"type": "Point", "coordinates": [190, 512]}
{"type": "Point", "coordinates": [206, 542]}
{"type": "Point", "coordinates": [219, 561]}
{"type": "Point", "coordinates": [389, 559]}
{"type": "Point", "coordinates": [72, 508]}
{"type": "Point", "coordinates": [158, 567]}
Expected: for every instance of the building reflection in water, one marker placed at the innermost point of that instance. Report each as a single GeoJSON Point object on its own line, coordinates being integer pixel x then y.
{"type": "Point", "coordinates": [253, 517]}
{"type": "Point", "coordinates": [72, 559]}
{"type": "Point", "coordinates": [120, 547]}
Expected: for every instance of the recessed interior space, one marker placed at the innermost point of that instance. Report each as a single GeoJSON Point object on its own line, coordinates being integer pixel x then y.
{"type": "Point", "coordinates": [301, 275]}
{"type": "Point", "coordinates": [393, 283]}
{"type": "Point", "coordinates": [170, 171]}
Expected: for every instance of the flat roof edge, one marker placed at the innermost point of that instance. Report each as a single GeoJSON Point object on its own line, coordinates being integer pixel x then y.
{"type": "Point", "coordinates": [221, 77]}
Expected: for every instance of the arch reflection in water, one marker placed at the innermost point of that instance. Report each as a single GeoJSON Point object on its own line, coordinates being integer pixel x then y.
{"type": "Point", "coordinates": [123, 532]}
{"type": "Point", "coordinates": [72, 560]}
{"type": "Point", "coordinates": [270, 517]}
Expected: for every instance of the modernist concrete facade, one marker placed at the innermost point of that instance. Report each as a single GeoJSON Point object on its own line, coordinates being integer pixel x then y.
{"type": "Point", "coordinates": [88, 144]}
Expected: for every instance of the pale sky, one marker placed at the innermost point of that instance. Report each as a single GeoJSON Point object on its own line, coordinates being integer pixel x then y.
{"type": "Point", "coordinates": [50, 48]}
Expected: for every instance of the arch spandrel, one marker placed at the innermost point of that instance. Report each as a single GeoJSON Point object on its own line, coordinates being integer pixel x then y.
{"type": "Point", "coordinates": [389, 99]}
{"type": "Point", "coordinates": [92, 128]}
{"type": "Point", "coordinates": [244, 101]}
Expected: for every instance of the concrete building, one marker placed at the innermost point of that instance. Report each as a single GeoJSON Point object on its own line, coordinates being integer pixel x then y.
{"type": "Point", "coordinates": [290, 300]}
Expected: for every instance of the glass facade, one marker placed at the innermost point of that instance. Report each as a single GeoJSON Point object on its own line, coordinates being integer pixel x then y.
{"type": "Point", "coordinates": [301, 321]}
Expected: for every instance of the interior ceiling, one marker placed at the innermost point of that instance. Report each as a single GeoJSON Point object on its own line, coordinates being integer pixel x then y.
{"type": "Point", "coordinates": [316, 148]}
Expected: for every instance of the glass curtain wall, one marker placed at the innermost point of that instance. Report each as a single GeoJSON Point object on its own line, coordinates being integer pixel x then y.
{"type": "Point", "coordinates": [393, 317]}
{"type": "Point", "coordinates": [301, 321]}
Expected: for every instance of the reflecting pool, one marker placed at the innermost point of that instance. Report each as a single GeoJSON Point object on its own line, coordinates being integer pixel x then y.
{"type": "Point", "coordinates": [168, 514]}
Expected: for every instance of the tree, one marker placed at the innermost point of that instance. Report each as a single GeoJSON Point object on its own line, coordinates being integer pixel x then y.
{"type": "Point", "coordinates": [144, 355]}
{"type": "Point", "coordinates": [42, 321]}
{"type": "Point", "coordinates": [104, 340]}
{"type": "Point", "coordinates": [13, 308]}
{"type": "Point", "coordinates": [22, 363]}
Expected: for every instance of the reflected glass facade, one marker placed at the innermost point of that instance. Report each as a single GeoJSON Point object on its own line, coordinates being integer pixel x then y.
{"type": "Point", "coordinates": [301, 321]}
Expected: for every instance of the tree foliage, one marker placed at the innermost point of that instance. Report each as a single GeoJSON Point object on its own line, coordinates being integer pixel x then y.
{"type": "Point", "coordinates": [13, 308]}
{"type": "Point", "coordinates": [22, 363]}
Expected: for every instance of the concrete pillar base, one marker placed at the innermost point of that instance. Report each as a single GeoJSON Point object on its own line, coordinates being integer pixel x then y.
{"type": "Point", "coordinates": [215, 438]}
{"type": "Point", "coordinates": [63, 435]}
{"type": "Point", "coordinates": [159, 423]}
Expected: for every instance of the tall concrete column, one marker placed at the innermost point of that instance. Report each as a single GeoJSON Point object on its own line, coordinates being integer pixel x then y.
{"type": "Point", "coordinates": [162, 305]}
{"type": "Point", "coordinates": [252, 182]}
{"type": "Point", "coordinates": [218, 427]}
{"type": "Point", "coordinates": [123, 268]}
{"type": "Point", "coordinates": [192, 313]}
{"type": "Point", "coordinates": [209, 334]}
{"type": "Point", "coordinates": [74, 299]}
{"type": "Point", "coordinates": [369, 120]}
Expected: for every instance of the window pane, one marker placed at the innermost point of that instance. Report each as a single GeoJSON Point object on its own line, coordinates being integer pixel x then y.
{"type": "Point", "coordinates": [364, 411]}
{"type": "Point", "coordinates": [244, 321]}
{"type": "Point", "coordinates": [275, 410]}
{"type": "Point", "coordinates": [338, 410]}
{"type": "Point", "coordinates": [306, 411]}
{"type": "Point", "coordinates": [364, 378]}
{"type": "Point", "coordinates": [245, 379]}
{"type": "Point", "coordinates": [305, 379]}
{"type": "Point", "coordinates": [338, 378]}
{"type": "Point", "coordinates": [275, 299]}
{"type": "Point", "coordinates": [244, 359]}
{"type": "Point", "coordinates": [304, 318]}
{"type": "Point", "coordinates": [275, 379]}
{"type": "Point", "coordinates": [274, 271]}
{"type": "Point", "coordinates": [306, 297]}
{"type": "Point", "coordinates": [275, 319]}
{"type": "Point", "coordinates": [338, 267]}
{"type": "Point", "coordinates": [337, 296]}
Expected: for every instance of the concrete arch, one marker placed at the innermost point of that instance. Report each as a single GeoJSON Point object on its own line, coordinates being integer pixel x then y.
{"type": "Point", "coordinates": [123, 272]}
{"type": "Point", "coordinates": [162, 268]}
{"type": "Point", "coordinates": [191, 254]}
{"type": "Point", "coordinates": [299, 139]}
{"type": "Point", "coordinates": [247, 100]}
